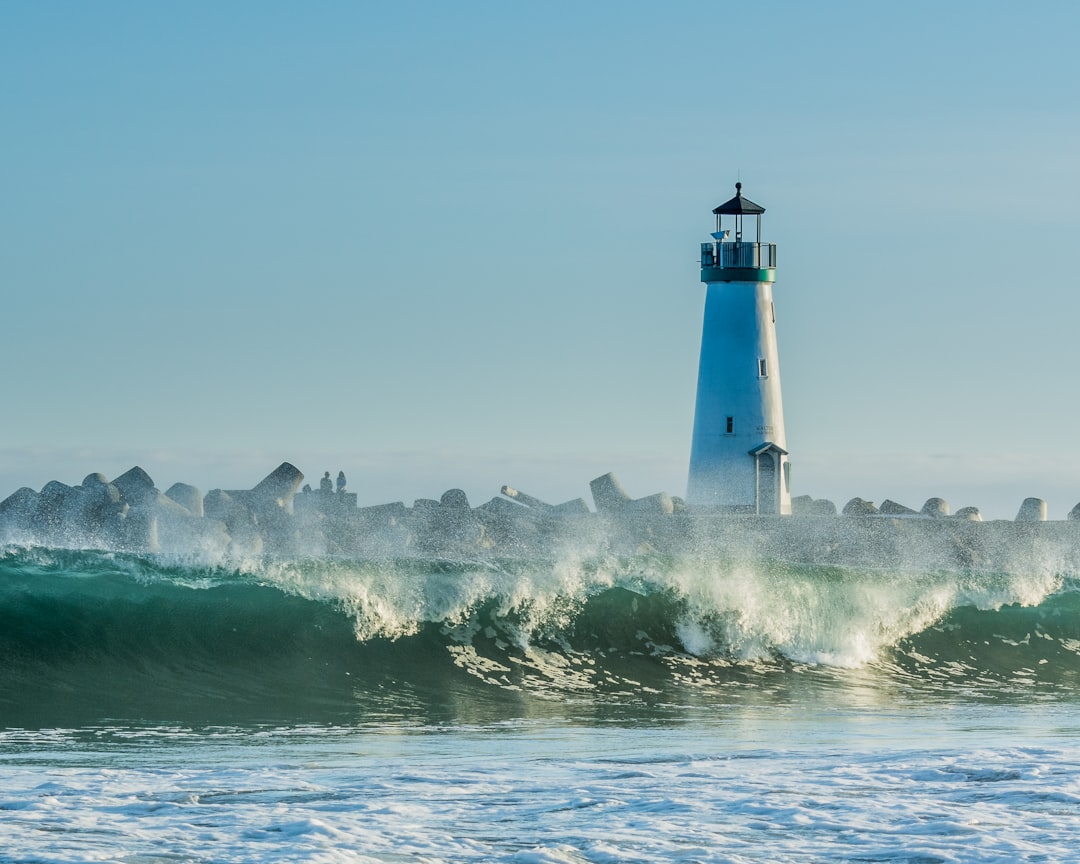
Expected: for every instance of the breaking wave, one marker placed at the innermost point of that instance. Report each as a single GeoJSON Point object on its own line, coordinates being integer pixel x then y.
{"type": "Point", "coordinates": [90, 635]}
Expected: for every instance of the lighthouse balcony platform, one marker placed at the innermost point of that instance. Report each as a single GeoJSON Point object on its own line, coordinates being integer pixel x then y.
{"type": "Point", "coordinates": [738, 262]}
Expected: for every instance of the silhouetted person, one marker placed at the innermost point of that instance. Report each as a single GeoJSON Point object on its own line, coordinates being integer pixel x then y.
{"type": "Point", "coordinates": [326, 484]}
{"type": "Point", "coordinates": [340, 481]}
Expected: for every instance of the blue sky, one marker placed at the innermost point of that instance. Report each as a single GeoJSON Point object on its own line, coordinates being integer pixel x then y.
{"type": "Point", "coordinates": [454, 245]}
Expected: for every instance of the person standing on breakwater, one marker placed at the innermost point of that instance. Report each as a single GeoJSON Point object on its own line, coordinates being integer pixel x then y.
{"type": "Point", "coordinates": [326, 485]}
{"type": "Point", "coordinates": [340, 481]}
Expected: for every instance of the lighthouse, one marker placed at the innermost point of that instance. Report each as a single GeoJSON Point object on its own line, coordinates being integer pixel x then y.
{"type": "Point", "coordinates": [738, 454]}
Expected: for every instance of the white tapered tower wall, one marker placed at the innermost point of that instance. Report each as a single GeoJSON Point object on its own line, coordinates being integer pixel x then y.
{"type": "Point", "coordinates": [739, 333]}
{"type": "Point", "coordinates": [738, 454]}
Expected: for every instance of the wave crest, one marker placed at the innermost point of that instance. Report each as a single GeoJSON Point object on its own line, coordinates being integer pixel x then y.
{"type": "Point", "coordinates": [611, 627]}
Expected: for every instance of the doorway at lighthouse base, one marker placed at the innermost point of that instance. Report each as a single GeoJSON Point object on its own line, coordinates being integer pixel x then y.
{"type": "Point", "coordinates": [771, 477]}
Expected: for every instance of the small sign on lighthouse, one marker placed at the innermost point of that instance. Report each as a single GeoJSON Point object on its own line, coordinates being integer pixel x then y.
{"type": "Point", "coordinates": [738, 454]}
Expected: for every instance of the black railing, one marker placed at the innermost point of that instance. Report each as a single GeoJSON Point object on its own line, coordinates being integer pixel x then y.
{"type": "Point", "coordinates": [757, 256]}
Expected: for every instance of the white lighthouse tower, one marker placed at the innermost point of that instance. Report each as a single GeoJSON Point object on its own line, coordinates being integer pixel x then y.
{"type": "Point", "coordinates": [738, 456]}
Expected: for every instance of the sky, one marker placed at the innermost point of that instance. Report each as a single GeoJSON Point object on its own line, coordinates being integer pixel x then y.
{"type": "Point", "coordinates": [443, 245]}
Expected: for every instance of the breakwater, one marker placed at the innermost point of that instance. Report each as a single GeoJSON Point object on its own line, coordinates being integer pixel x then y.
{"type": "Point", "coordinates": [278, 517]}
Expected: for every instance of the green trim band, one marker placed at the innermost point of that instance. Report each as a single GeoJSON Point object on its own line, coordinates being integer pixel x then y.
{"type": "Point", "coordinates": [737, 274]}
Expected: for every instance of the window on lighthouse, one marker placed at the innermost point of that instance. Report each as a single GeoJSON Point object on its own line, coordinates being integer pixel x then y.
{"type": "Point", "coordinates": [762, 368]}
{"type": "Point", "coordinates": [730, 425]}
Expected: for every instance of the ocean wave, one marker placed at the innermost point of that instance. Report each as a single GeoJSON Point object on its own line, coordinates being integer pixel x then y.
{"type": "Point", "coordinates": [123, 633]}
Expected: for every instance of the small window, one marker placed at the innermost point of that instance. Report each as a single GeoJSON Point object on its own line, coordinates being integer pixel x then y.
{"type": "Point", "coordinates": [730, 425]}
{"type": "Point", "coordinates": [762, 368]}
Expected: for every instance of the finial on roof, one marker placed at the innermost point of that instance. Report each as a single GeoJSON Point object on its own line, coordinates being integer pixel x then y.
{"type": "Point", "coordinates": [738, 190]}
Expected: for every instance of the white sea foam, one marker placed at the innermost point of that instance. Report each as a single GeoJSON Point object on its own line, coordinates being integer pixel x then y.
{"type": "Point", "coordinates": [732, 608]}
{"type": "Point", "coordinates": [765, 787]}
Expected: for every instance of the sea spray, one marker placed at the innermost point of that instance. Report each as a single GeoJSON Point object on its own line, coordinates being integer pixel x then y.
{"type": "Point", "coordinates": [117, 633]}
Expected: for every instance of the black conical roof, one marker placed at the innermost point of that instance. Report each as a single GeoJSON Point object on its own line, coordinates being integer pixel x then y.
{"type": "Point", "coordinates": [739, 206]}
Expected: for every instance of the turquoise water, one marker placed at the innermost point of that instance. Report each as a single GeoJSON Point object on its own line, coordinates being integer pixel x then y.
{"type": "Point", "coordinates": [602, 709]}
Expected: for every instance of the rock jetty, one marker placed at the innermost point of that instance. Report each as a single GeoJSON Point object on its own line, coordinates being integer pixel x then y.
{"type": "Point", "coordinates": [281, 517]}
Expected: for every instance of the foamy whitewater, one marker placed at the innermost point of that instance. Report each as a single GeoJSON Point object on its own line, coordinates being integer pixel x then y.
{"type": "Point", "coordinates": [581, 709]}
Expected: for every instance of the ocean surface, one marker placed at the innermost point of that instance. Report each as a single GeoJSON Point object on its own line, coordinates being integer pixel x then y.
{"type": "Point", "coordinates": [593, 709]}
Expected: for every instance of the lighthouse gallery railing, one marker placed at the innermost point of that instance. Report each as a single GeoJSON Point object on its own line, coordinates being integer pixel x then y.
{"type": "Point", "coordinates": [758, 256]}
